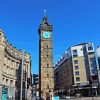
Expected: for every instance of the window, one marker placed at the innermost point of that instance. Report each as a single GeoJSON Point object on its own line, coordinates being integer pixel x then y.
{"type": "Point", "coordinates": [4, 64]}
{"type": "Point", "coordinates": [76, 67]}
{"type": "Point", "coordinates": [7, 67]}
{"type": "Point", "coordinates": [6, 81]}
{"type": "Point", "coordinates": [7, 71]}
{"type": "Point", "coordinates": [90, 48]}
{"type": "Point", "coordinates": [78, 84]}
{"type": "Point", "coordinates": [81, 49]}
{"type": "Point", "coordinates": [75, 55]}
{"type": "Point", "coordinates": [16, 72]}
{"type": "Point", "coordinates": [93, 63]}
{"type": "Point", "coordinates": [16, 83]}
{"type": "Point", "coordinates": [93, 71]}
{"type": "Point", "coordinates": [12, 71]}
{"type": "Point", "coordinates": [11, 82]}
{"type": "Point", "coordinates": [47, 65]}
{"type": "Point", "coordinates": [47, 75]}
{"type": "Point", "coordinates": [75, 61]}
{"type": "Point", "coordinates": [17, 64]}
{"type": "Point", "coordinates": [92, 59]}
{"type": "Point", "coordinates": [77, 73]}
{"type": "Point", "coordinates": [47, 86]}
{"type": "Point", "coordinates": [3, 79]}
{"type": "Point", "coordinates": [24, 85]}
{"type": "Point", "coordinates": [75, 51]}
{"type": "Point", "coordinates": [77, 78]}
{"type": "Point", "coordinates": [67, 70]}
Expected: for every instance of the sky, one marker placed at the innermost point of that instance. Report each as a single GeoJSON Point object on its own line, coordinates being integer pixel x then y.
{"type": "Point", "coordinates": [74, 22]}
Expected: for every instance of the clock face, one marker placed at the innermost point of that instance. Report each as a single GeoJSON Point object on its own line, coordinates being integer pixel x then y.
{"type": "Point", "coordinates": [46, 35]}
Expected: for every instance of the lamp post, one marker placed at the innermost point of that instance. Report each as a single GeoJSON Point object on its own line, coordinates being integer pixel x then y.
{"type": "Point", "coordinates": [21, 90]}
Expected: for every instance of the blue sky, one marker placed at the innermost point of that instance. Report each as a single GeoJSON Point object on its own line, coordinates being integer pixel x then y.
{"type": "Point", "coordinates": [74, 22]}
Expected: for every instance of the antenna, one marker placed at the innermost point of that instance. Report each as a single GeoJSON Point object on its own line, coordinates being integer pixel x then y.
{"type": "Point", "coordinates": [45, 12]}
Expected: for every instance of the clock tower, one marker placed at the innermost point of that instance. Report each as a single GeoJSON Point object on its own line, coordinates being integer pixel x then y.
{"type": "Point", "coordinates": [46, 69]}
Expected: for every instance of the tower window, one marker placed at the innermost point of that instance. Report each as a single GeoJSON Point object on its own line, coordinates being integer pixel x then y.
{"type": "Point", "coordinates": [4, 64]}
{"type": "Point", "coordinates": [47, 65]}
{"type": "Point", "coordinates": [47, 86]}
{"type": "Point", "coordinates": [47, 75]}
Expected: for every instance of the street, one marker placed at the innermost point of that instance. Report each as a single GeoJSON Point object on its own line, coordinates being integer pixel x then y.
{"type": "Point", "coordinates": [84, 98]}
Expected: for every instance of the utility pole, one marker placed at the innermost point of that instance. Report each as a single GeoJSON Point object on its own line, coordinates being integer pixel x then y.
{"type": "Point", "coordinates": [21, 90]}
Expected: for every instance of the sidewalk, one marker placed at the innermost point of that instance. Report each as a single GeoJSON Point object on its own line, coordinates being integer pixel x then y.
{"type": "Point", "coordinates": [86, 98]}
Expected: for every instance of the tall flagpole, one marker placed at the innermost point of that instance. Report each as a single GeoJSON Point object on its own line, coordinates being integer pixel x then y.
{"type": "Point", "coordinates": [45, 12]}
{"type": "Point", "coordinates": [21, 90]}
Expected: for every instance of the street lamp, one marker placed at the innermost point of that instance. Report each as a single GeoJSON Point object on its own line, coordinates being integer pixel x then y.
{"type": "Point", "coordinates": [21, 90]}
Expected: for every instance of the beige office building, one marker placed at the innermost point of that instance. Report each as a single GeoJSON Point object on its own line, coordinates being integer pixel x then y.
{"type": "Point", "coordinates": [75, 67]}
{"type": "Point", "coordinates": [98, 53]}
{"type": "Point", "coordinates": [10, 69]}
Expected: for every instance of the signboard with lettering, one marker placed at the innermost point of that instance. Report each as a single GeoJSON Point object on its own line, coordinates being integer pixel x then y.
{"type": "Point", "coordinates": [4, 93]}
{"type": "Point", "coordinates": [55, 98]}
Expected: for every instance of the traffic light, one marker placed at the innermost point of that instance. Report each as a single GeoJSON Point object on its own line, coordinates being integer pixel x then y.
{"type": "Point", "coordinates": [35, 79]}
{"type": "Point", "coordinates": [28, 82]}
